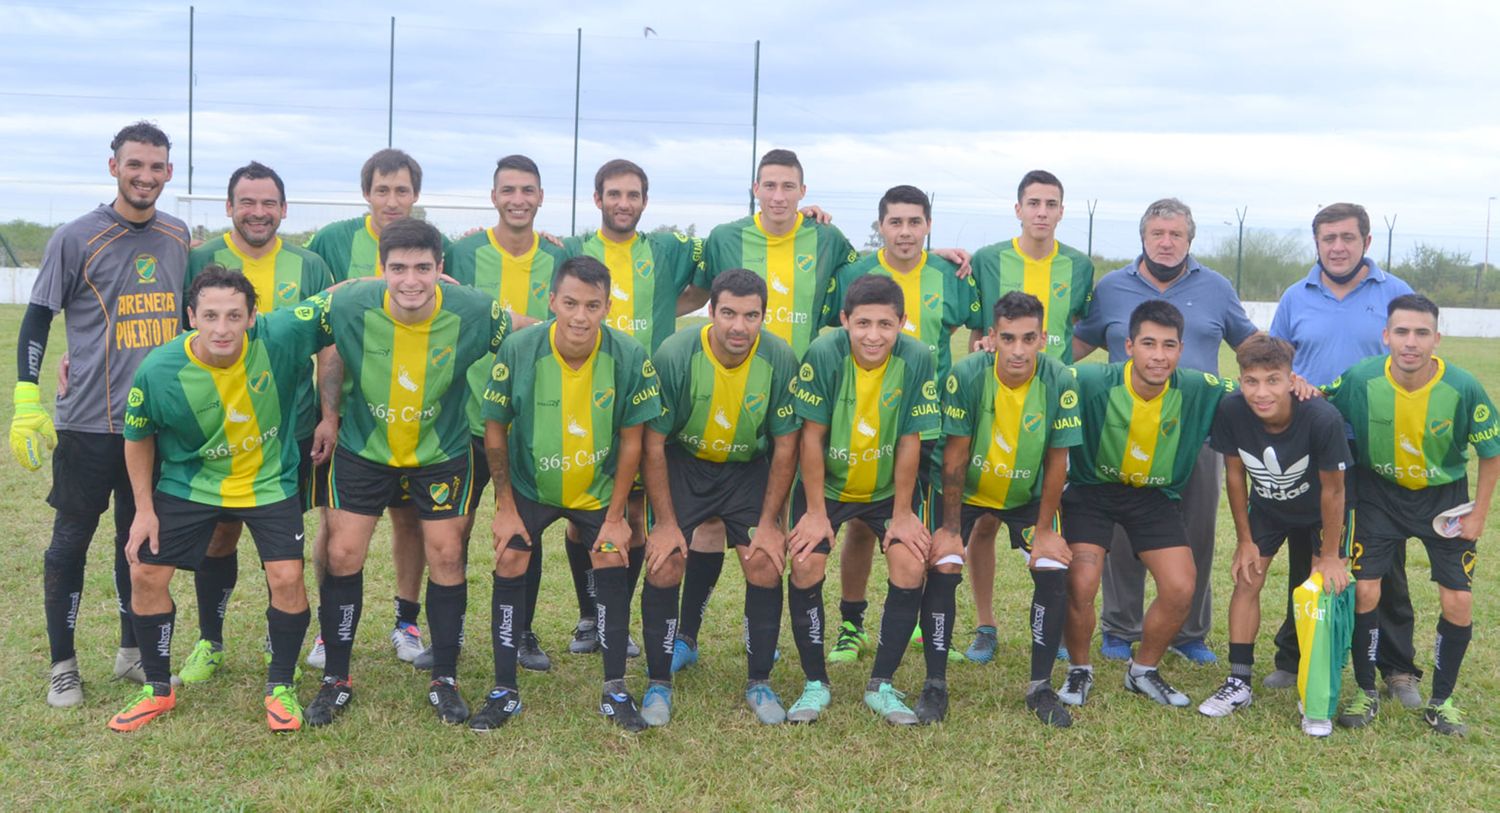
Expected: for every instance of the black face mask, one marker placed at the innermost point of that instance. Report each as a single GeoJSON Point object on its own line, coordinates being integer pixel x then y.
{"type": "Point", "coordinates": [1342, 279]}
{"type": "Point", "coordinates": [1164, 273]}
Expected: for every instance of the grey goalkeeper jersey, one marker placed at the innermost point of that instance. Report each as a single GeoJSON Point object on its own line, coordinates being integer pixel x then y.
{"type": "Point", "coordinates": [119, 286]}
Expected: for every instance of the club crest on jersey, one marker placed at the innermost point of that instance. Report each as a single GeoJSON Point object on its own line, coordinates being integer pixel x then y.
{"type": "Point", "coordinates": [646, 369]}
{"type": "Point", "coordinates": [287, 292]}
{"type": "Point", "coordinates": [952, 384]}
{"type": "Point", "coordinates": [643, 268]}
{"type": "Point", "coordinates": [440, 493]}
{"type": "Point", "coordinates": [305, 312]}
{"type": "Point", "coordinates": [258, 384]}
{"type": "Point", "coordinates": [889, 397]}
{"type": "Point", "coordinates": [136, 397]}
{"type": "Point", "coordinates": [1069, 398]}
{"type": "Point", "coordinates": [1439, 428]}
{"type": "Point", "coordinates": [500, 372]}
{"type": "Point", "coordinates": [538, 290]}
{"type": "Point", "coordinates": [1031, 421]}
{"type": "Point", "coordinates": [1213, 380]}
{"type": "Point", "coordinates": [932, 301]}
{"type": "Point", "coordinates": [806, 372]}
{"type": "Point", "coordinates": [929, 390]}
{"type": "Point", "coordinates": [1168, 426]}
{"type": "Point", "coordinates": [1481, 413]}
{"type": "Point", "coordinates": [804, 262]}
{"type": "Point", "coordinates": [145, 268]}
{"type": "Point", "coordinates": [442, 355]}
{"type": "Point", "coordinates": [1060, 289]}
{"type": "Point", "coordinates": [754, 401]}
{"type": "Point", "coordinates": [604, 398]}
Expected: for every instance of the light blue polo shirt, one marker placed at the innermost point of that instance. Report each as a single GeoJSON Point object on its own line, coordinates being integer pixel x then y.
{"type": "Point", "coordinates": [1331, 334]}
{"type": "Point", "coordinates": [1209, 305]}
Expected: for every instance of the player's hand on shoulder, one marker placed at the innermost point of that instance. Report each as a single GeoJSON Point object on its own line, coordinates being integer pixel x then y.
{"type": "Point", "coordinates": [1304, 389]}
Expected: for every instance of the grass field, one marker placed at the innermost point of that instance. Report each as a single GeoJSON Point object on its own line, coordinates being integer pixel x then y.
{"type": "Point", "coordinates": [388, 750]}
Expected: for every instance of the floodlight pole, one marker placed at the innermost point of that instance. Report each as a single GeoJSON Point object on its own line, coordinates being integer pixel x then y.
{"type": "Point", "coordinates": [1485, 269]}
{"type": "Point", "coordinates": [1390, 237]}
{"type": "Point", "coordinates": [754, 125]}
{"type": "Point", "coordinates": [390, 89]}
{"type": "Point", "coordinates": [191, 12]}
{"type": "Point", "coordinates": [1093, 204]}
{"type": "Point", "coordinates": [577, 96]}
{"type": "Point", "coordinates": [1239, 253]}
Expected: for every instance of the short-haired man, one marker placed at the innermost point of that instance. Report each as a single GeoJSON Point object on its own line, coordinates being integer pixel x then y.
{"type": "Point", "coordinates": [1061, 278]}
{"type": "Point", "coordinates": [865, 393]}
{"type": "Point", "coordinates": [405, 342]}
{"type": "Point", "coordinates": [564, 413]}
{"type": "Point", "coordinates": [725, 446]}
{"type": "Point", "coordinates": [1414, 417]}
{"type": "Point", "coordinates": [1010, 416]}
{"type": "Point", "coordinates": [117, 273]}
{"type": "Point", "coordinates": [1212, 314]}
{"type": "Point", "coordinates": [1145, 421]}
{"type": "Point", "coordinates": [1284, 467]}
{"type": "Point", "coordinates": [218, 409]}
{"type": "Point", "coordinates": [282, 275]}
{"type": "Point", "coordinates": [1334, 318]}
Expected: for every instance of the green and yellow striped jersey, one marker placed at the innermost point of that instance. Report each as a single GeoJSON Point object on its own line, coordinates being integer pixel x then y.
{"type": "Point", "coordinates": [564, 424]}
{"type": "Point", "coordinates": [722, 414]}
{"type": "Point", "coordinates": [1063, 281]}
{"type": "Point", "coordinates": [646, 275]}
{"type": "Point", "coordinates": [351, 248]}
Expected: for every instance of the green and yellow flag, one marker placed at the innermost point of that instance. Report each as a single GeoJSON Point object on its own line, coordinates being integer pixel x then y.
{"type": "Point", "coordinates": [1325, 624]}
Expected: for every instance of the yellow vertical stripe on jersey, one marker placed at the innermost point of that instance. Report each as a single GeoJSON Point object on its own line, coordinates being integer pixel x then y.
{"type": "Point", "coordinates": [911, 291]}
{"type": "Point", "coordinates": [261, 271]}
{"type": "Point", "coordinates": [241, 429]}
{"type": "Point", "coordinates": [408, 384]}
{"type": "Point", "coordinates": [370, 230]}
{"type": "Point", "coordinates": [619, 258]}
{"type": "Point", "coordinates": [781, 277]}
{"type": "Point", "coordinates": [578, 426]}
{"type": "Point", "coordinates": [1145, 428]}
{"type": "Point", "coordinates": [1410, 429]}
{"type": "Point", "coordinates": [995, 476]}
{"type": "Point", "coordinates": [1037, 275]}
{"type": "Point", "coordinates": [515, 274]}
{"type": "Point", "coordinates": [724, 407]}
{"type": "Point", "coordinates": [864, 435]}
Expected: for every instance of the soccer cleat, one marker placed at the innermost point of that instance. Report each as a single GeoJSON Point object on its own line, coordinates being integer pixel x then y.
{"type": "Point", "coordinates": [1114, 649]}
{"type": "Point", "coordinates": [632, 649]}
{"type": "Point", "coordinates": [65, 686]}
{"type": "Point", "coordinates": [1361, 710]}
{"type": "Point", "coordinates": [146, 706]}
{"type": "Point", "coordinates": [763, 701]}
{"type": "Point", "coordinates": [851, 644]}
{"type": "Point", "coordinates": [621, 710]}
{"type": "Point", "coordinates": [1445, 718]}
{"type": "Point", "coordinates": [1280, 679]}
{"type": "Point", "coordinates": [1048, 707]}
{"type": "Point", "coordinates": [407, 639]}
{"type": "Point", "coordinates": [684, 655]}
{"type": "Point", "coordinates": [128, 665]}
{"type": "Point", "coordinates": [1232, 695]}
{"type": "Point", "coordinates": [333, 697]}
{"type": "Point", "coordinates": [1077, 686]}
{"type": "Point", "coordinates": [1317, 728]}
{"type": "Point", "coordinates": [585, 638]}
{"type": "Point", "coordinates": [983, 648]}
{"type": "Point", "coordinates": [917, 641]}
{"type": "Point", "coordinates": [202, 662]}
{"type": "Point", "coordinates": [656, 705]}
{"type": "Point", "coordinates": [1154, 686]}
{"type": "Point", "coordinates": [317, 657]}
{"type": "Point", "coordinates": [1405, 688]}
{"type": "Point", "coordinates": [283, 712]}
{"type": "Point", "coordinates": [423, 663]}
{"type": "Point", "coordinates": [813, 702]}
{"type": "Point", "coordinates": [932, 705]}
{"type": "Point", "coordinates": [500, 705]}
{"type": "Point", "coordinates": [885, 701]}
{"type": "Point", "coordinates": [443, 694]}
{"type": "Point", "coordinates": [1195, 651]}
{"type": "Point", "coordinates": [529, 654]}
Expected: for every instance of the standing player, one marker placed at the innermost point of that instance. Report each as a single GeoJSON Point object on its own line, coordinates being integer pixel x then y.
{"type": "Point", "coordinates": [1147, 421]}
{"type": "Point", "coordinates": [218, 408]}
{"type": "Point", "coordinates": [865, 393]}
{"type": "Point", "coordinates": [1010, 416]}
{"type": "Point", "coordinates": [282, 275]}
{"type": "Point", "coordinates": [405, 342]}
{"type": "Point", "coordinates": [564, 413]}
{"type": "Point", "coordinates": [724, 446]}
{"type": "Point", "coordinates": [1284, 464]}
{"type": "Point", "coordinates": [1414, 416]}
{"type": "Point", "coordinates": [117, 274]}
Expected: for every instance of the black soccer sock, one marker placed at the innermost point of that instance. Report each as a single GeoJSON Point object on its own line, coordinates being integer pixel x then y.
{"type": "Point", "coordinates": [1452, 643]}
{"type": "Point", "coordinates": [446, 605]}
{"type": "Point", "coordinates": [1049, 609]}
{"type": "Point", "coordinates": [896, 623]}
{"type": "Point", "coordinates": [156, 656]}
{"type": "Point", "coordinates": [507, 598]}
{"type": "Point", "coordinates": [659, 623]}
{"type": "Point", "coordinates": [341, 601]}
{"type": "Point", "coordinates": [1241, 661]}
{"type": "Point", "coordinates": [806, 607]}
{"type": "Point", "coordinates": [698, 582]}
{"type": "Point", "coordinates": [214, 583]}
{"type": "Point", "coordinates": [285, 633]}
{"type": "Point", "coordinates": [583, 579]}
{"type": "Point", "coordinates": [762, 628]}
{"type": "Point", "coordinates": [612, 599]}
{"type": "Point", "coordinates": [637, 562]}
{"type": "Point", "coordinates": [854, 612]}
{"type": "Point", "coordinates": [1366, 641]}
{"type": "Point", "coordinates": [533, 588]}
{"type": "Point", "coordinates": [407, 611]}
{"type": "Point", "coordinates": [939, 606]}
{"type": "Point", "coordinates": [128, 638]}
{"type": "Point", "coordinates": [63, 567]}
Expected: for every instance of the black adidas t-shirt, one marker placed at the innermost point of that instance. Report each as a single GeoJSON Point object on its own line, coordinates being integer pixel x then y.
{"type": "Point", "coordinates": [1282, 468]}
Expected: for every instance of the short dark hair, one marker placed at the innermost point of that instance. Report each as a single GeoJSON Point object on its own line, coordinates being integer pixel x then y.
{"type": "Point", "coordinates": [1040, 176]}
{"type": "Point", "coordinates": [1262, 351]}
{"type": "Point", "coordinates": [906, 194]}
{"type": "Point", "coordinates": [1019, 305]}
{"type": "Point", "coordinates": [519, 163]}
{"type": "Point", "coordinates": [875, 289]}
{"type": "Point", "coordinates": [737, 282]}
{"type": "Point", "coordinates": [411, 233]}
{"type": "Point", "coordinates": [389, 162]}
{"type": "Point", "coordinates": [214, 275]}
{"type": "Point", "coordinates": [1411, 302]}
{"type": "Point", "coordinates": [620, 166]}
{"type": "Point", "coordinates": [585, 269]}
{"type": "Point", "coordinates": [1157, 312]}
{"type": "Point", "coordinates": [779, 158]}
{"type": "Point", "coordinates": [1334, 212]}
{"type": "Point", "coordinates": [141, 132]}
{"type": "Point", "coordinates": [255, 171]}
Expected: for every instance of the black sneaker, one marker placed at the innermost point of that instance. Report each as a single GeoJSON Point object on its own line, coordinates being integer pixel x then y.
{"type": "Point", "coordinates": [585, 637]}
{"type": "Point", "coordinates": [932, 706]}
{"type": "Point", "coordinates": [529, 654]}
{"type": "Point", "coordinates": [444, 697]}
{"type": "Point", "coordinates": [332, 697]}
{"type": "Point", "coordinates": [621, 709]}
{"type": "Point", "coordinates": [499, 706]}
{"type": "Point", "coordinates": [1045, 704]}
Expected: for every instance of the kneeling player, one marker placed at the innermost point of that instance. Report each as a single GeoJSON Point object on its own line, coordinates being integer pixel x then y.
{"type": "Point", "coordinates": [216, 407]}
{"type": "Point", "coordinates": [865, 393]}
{"type": "Point", "coordinates": [1284, 465]}
{"type": "Point", "coordinates": [1010, 416]}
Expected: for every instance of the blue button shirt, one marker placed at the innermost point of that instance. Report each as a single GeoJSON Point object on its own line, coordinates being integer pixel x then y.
{"type": "Point", "coordinates": [1331, 334]}
{"type": "Point", "coordinates": [1209, 306]}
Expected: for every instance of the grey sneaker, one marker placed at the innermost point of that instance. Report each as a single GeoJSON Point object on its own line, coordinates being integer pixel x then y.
{"type": "Point", "coordinates": [1076, 686]}
{"type": "Point", "coordinates": [763, 701]}
{"type": "Point", "coordinates": [317, 657]}
{"type": "Point", "coordinates": [406, 639]}
{"type": "Point", "coordinates": [1155, 687]}
{"type": "Point", "coordinates": [1279, 679]}
{"type": "Point", "coordinates": [585, 638]}
{"type": "Point", "coordinates": [66, 687]}
{"type": "Point", "coordinates": [530, 655]}
{"type": "Point", "coordinates": [632, 649]}
{"type": "Point", "coordinates": [128, 665]}
{"type": "Point", "coordinates": [1406, 688]}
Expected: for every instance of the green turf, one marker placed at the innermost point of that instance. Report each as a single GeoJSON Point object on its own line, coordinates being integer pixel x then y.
{"type": "Point", "coordinates": [388, 751]}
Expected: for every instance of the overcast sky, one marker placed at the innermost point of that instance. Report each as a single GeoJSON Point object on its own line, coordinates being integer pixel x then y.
{"type": "Point", "coordinates": [1275, 106]}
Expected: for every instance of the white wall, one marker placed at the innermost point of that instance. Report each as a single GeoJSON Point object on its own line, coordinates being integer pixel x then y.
{"type": "Point", "coordinates": [16, 285]}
